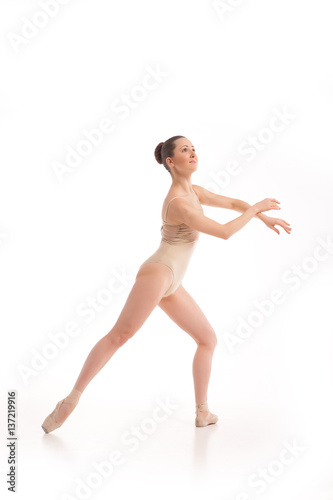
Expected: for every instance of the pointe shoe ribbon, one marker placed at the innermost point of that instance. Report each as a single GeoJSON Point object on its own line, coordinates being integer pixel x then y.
{"type": "Point", "coordinates": [51, 422]}
{"type": "Point", "coordinates": [202, 421]}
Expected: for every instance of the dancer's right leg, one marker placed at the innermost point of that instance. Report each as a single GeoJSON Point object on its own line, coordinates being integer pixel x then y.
{"type": "Point", "coordinates": [152, 280]}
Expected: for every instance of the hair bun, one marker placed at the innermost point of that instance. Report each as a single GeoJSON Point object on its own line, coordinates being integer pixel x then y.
{"type": "Point", "coordinates": [158, 152]}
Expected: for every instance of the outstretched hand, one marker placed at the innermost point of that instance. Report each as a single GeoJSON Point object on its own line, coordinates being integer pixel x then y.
{"type": "Point", "coordinates": [272, 221]}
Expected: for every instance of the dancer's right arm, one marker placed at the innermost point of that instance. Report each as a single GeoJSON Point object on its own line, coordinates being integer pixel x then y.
{"type": "Point", "coordinates": [190, 216]}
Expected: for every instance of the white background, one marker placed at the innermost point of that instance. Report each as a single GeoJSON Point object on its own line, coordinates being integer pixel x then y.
{"type": "Point", "coordinates": [63, 238]}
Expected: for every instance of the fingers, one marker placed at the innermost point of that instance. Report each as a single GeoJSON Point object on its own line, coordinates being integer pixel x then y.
{"type": "Point", "coordinates": [274, 204]}
{"type": "Point", "coordinates": [284, 224]}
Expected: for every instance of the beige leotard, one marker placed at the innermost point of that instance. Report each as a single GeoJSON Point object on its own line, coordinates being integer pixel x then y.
{"type": "Point", "coordinates": [177, 245]}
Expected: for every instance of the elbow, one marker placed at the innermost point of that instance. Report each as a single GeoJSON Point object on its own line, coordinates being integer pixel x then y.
{"type": "Point", "coordinates": [234, 204]}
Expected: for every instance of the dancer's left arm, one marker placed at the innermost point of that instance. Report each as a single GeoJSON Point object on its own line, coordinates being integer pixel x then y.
{"type": "Point", "coordinates": [216, 200]}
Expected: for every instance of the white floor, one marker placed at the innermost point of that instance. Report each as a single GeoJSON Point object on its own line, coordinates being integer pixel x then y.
{"type": "Point", "coordinates": [170, 458]}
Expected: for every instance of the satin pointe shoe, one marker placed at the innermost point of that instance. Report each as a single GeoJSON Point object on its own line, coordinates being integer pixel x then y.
{"type": "Point", "coordinates": [51, 422]}
{"type": "Point", "coordinates": [203, 420]}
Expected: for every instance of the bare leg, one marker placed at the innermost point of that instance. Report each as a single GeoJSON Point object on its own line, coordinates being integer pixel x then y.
{"type": "Point", "coordinates": [151, 282]}
{"type": "Point", "coordinates": [201, 369]}
{"type": "Point", "coordinates": [185, 312]}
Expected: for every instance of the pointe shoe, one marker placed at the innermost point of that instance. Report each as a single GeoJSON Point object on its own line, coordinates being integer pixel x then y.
{"type": "Point", "coordinates": [203, 420]}
{"type": "Point", "coordinates": [51, 422]}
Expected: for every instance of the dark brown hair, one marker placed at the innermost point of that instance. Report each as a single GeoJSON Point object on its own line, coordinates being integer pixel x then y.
{"type": "Point", "coordinates": [165, 149]}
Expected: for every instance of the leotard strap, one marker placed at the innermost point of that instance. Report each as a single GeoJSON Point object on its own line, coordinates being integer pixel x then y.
{"type": "Point", "coordinates": [171, 201]}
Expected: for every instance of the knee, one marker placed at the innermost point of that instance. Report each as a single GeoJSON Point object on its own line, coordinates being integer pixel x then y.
{"type": "Point", "coordinates": [213, 342]}
{"type": "Point", "coordinates": [210, 341]}
{"type": "Point", "coordinates": [119, 338]}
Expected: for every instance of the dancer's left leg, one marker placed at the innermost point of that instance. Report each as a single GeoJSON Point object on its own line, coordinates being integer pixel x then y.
{"type": "Point", "coordinates": [185, 312]}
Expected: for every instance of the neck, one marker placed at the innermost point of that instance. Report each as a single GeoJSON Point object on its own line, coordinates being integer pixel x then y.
{"type": "Point", "coordinates": [183, 184]}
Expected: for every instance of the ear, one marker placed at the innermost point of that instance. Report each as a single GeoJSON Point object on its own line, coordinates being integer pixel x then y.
{"type": "Point", "coordinates": [169, 161]}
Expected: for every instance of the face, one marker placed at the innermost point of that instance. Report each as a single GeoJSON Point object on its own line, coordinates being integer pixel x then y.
{"type": "Point", "coordinates": [184, 156]}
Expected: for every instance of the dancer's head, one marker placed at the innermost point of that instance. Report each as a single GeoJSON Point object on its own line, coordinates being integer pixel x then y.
{"type": "Point", "coordinates": [178, 155]}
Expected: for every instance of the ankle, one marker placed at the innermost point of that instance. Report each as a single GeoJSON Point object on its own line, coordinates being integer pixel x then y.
{"type": "Point", "coordinates": [73, 396]}
{"type": "Point", "coordinates": [202, 407]}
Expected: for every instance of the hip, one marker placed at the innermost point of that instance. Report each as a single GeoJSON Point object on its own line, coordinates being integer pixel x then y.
{"type": "Point", "coordinates": [174, 256]}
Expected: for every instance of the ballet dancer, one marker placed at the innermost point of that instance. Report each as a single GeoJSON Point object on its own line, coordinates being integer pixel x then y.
{"type": "Point", "coordinates": [159, 278]}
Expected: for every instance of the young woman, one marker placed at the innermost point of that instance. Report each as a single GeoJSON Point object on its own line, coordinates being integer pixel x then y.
{"type": "Point", "coordinates": [159, 278]}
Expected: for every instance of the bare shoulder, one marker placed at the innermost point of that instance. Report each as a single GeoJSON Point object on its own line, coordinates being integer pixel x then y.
{"type": "Point", "coordinates": [173, 208]}
{"type": "Point", "coordinates": [181, 207]}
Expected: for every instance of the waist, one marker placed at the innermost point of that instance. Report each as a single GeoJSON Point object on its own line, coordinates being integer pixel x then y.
{"type": "Point", "coordinates": [182, 235]}
{"type": "Point", "coordinates": [180, 252]}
